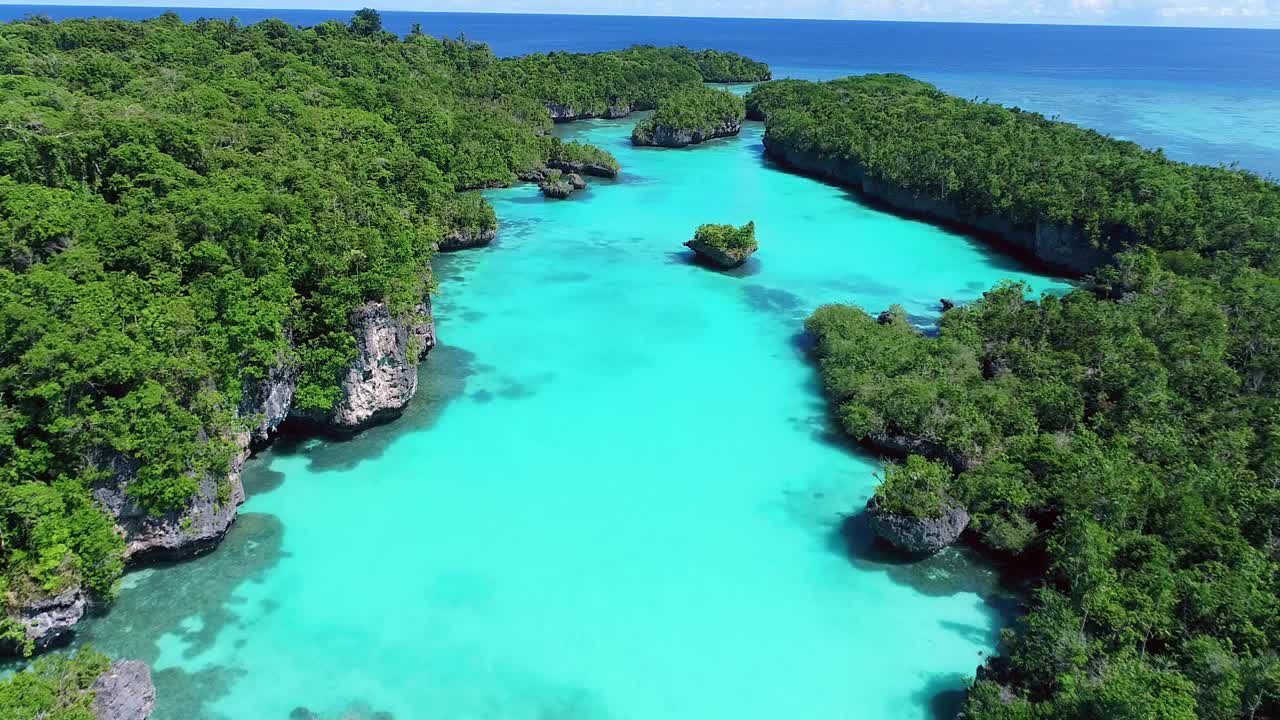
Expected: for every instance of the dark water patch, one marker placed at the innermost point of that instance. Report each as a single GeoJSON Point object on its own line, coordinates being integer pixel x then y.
{"type": "Point", "coordinates": [775, 301]}
{"type": "Point", "coordinates": [863, 286]}
{"type": "Point", "coordinates": [566, 276]}
{"type": "Point", "coordinates": [442, 377]}
{"type": "Point", "coordinates": [482, 396]}
{"type": "Point", "coordinates": [976, 634]}
{"type": "Point", "coordinates": [192, 601]}
{"type": "Point", "coordinates": [356, 710]}
{"type": "Point", "coordinates": [259, 479]}
{"type": "Point", "coordinates": [472, 316]}
{"type": "Point", "coordinates": [943, 695]}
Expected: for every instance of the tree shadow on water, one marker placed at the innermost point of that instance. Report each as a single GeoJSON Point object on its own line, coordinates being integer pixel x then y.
{"type": "Point", "coordinates": [943, 695]}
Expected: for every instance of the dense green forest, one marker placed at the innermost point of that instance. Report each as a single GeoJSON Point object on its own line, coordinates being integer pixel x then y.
{"type": "Point", "coordinates": [697, 109]}
{"type": "Point", "coordinates": [1023, 166]}
{"type": "Point", "coordinates": [1119, 444]}
{"type": "Point", "coordinates": [185, 206]}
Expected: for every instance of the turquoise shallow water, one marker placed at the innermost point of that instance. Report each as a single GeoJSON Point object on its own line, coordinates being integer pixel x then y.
{"type": "Point", "coordinates": [617, 495]}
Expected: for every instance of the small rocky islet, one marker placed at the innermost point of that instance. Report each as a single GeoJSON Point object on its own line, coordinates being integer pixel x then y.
{"type": "Point", "coordinates": [691, 116]}
{"type": "Point", "coordinates": [724, 246]}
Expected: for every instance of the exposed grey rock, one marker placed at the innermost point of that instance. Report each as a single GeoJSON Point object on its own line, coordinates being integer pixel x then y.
{"type": "Point", "coordinates": [946, 304]}
{"type": "Point", "coordinates": [384, 376]}
{"type": "Point", "coordinates": [1063, 247]}
{"type": "Point", "coordinates": [903, 445]}
{"type": "Point", "coordinates": [576, 181]}
{"type": "Point", "coordinates": [583, 168]}
{"type": "Point", "coordinates": [717, 256]}
{"type": "Point", "coordinates": [534, 176]}
{"type": "Point", "coordinates": [556, 189]}
{"type": "Point", "coordinates": [269, 400]}
{"type": "Point", "coordinates": [124, 692]}
{"type": "Point", "coordinates": [918, 536]}
{"type": "Point", "coordinates": [177, 534]}
{"type": "Point", "coordinates": [565, 113]}
{"type": "Point", "coordinates": [466, 238]}
{"type": "Point", "coordinates": [46, 621]}
{"type": "Point", "coordinates": [674, 137]}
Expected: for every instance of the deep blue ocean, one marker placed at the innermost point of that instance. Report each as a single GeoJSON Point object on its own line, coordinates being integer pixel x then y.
{"type": "Point", "coordinates": [1203, 95]}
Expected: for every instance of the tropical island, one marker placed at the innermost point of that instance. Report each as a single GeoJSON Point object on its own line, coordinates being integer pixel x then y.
{"type": "Point", "coordinates": [253, 252]}
{"type": "Point", "coordinates": [724, 246]}
{"type": "Point", "coordinates": [1117, 444]}
{"type": "Point", "coordinates": [691, 116]}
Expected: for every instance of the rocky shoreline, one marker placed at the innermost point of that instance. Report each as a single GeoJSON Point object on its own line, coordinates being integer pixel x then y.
{"type": "Point", "coordinates": [566, 113]}
{"type": "Point", "coordinates": [380, 382]}
{"type": "Point", "coordinates": [1061, 247]}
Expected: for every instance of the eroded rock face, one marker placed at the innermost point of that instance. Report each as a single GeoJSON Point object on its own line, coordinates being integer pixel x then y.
{"type": "Point", "coordinates": [918, 537]}
{"type": "Point", "coordinates": [674, 137]}
{"type": "Point", "coordinates": [576, 181]}
{"type": "Point", "coordinates": [565, 113]}
{"type": "Point", "coordinates": [47, 621]}
{"type": "Point", "coordinates": [124, 692]}
{"type": "Point", "coordinates": [716, 256]}
{"type": "Point", "coordinates": [466, 238]}
{"type": "Point", "coordinates": [180, 533]}
{"type": "Point", "coordinates": [384, 377]}
{"type": "Point", "coordinates": [583, 168]}
{"type": "Point", "coordinates": [269, 401]}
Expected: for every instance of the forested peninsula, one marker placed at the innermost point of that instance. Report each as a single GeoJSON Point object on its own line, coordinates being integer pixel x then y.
{"type": "Point", "coordinates": [212, 230]}
{"type": "Point", "coordinates": [1120, 445]}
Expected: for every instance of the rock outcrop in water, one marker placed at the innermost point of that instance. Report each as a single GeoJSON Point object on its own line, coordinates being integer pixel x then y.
{"type": "Point", "coordinates": [1060, 246]}
{"type": "Point", "coordinates": [269, 401]}
{"type": "Point", "coordinates": [918, 536]}
{"type": "Point", "coordinates": [46, 621]}
{"type": "Point", "coordinates": [384, 376]}
{"type": "Point", "coordinates": [671, 136]}
{"type": "Point", "coordinates": [124, 692]}
{"type": "Point", "coordinates": [468, 238]}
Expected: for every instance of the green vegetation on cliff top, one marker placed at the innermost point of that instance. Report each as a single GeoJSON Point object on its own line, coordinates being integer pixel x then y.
{"type": "Point", "coordinates": [693, 108]}
{"type": "Point", "coordinates": [736, 241]}
{"type": "Point", "coordinates": [1121, 443]}
{"type": "Point", "coordinates": [1022, 166]}
{"type": "Point", "coordinates": [185, 206]}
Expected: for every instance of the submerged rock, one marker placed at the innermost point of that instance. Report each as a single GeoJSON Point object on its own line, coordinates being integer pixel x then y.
{"type": "Point", "coordinates": [918, 536]}
{"type": "Point", "coordinates": [384, 376]}
{"type": "Point", "coordinates": [466, 238]}
{"type": "Point", "coordinates": [46, 621]}
{"type": "Point", "coordinates": [124, 692]}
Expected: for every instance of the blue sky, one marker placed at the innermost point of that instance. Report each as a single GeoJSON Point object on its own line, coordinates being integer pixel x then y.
{"type": "Point", "coordinates": [1216, 13]}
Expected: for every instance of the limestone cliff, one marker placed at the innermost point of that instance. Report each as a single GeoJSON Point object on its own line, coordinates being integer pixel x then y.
{"type": "Point", "coordinates": [124, 692]}
{"type": "Point", "coordinates": [46, 621]}
{"type": "Point", "coordinates": [918, 536]}
{"type": "Point", "coordinates": [467, 238]}
{"type": "Point", "coordinates": [383, 378]}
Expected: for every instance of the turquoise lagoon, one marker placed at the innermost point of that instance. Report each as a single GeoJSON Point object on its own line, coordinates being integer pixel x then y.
{"type": "Point", "coordinates": [618, 494]}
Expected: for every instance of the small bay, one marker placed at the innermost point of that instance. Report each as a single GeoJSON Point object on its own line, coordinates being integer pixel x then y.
{"type": "Point", "coordinates": [618, 494]}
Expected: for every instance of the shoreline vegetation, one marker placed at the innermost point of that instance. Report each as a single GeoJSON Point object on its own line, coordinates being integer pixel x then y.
{"type": "Point", "coordinates": [1120, 444]}
{"type": "Point", "coordinates": [213, 231]}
